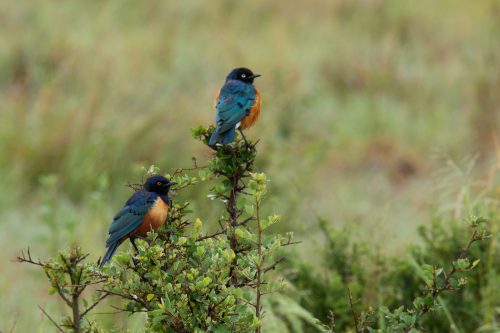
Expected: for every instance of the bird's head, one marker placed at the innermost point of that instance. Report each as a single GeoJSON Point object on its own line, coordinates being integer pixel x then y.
{"type": "Point", "coordinates": [158, 184]}
{"type": "Point", "coordinates": [242, 74]}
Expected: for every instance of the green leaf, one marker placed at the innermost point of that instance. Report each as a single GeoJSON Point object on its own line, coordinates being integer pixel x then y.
{"type": "Point", "coordinates": [462, 264]}
{"type": "Point", "coordinates": [249, 209]}
{"type": "Point", "coordinates": [166, 303]}
{"type": "Point", "coordinates": [418, 303]}
{"type": "Point", "coordinates": [427, 273]}
{"type": "Point", "coordinates": [221, 329]}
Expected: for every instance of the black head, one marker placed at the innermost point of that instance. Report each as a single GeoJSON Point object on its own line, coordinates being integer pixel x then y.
{"type": "Point", "coordinates": [242, 74]}
{"type": "Point", "coordinates": [158, 184]}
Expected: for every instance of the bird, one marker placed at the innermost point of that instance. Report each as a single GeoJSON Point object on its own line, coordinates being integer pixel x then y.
{"type": "Point", "coordinates": [145, 210]}
{"type": "Point", "coordinates": [238, 105]}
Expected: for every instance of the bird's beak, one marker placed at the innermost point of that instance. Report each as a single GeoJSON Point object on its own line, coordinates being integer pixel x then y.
{"type": "Point", "coordinates": [171, 183]}
{"type": "Point", "coordinates": [255, 76]}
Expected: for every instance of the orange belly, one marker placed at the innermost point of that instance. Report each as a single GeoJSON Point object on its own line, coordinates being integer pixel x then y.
{"type": "Point", "coordinates": [153, 219]}
{"type": "Point", "coordinates": [254, 113]}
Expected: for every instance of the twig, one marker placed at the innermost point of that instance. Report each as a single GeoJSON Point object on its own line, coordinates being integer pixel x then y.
{"type": "Point", "coordinates": [245, 221]}
{"type": "Point", "coordinates": [215, 234]}
{"type": "Point", "coordinates": [83, 285]}
{"type": "Point", "coordinates": [29, 260]}
{"type": "Point", "coordinates": [436, 290]}
{"type": "Point", "coordinates": [273, 265]}
{"type": "Point", "coordinates": [463, 254]}
{"type": "Point", "coordinates": [354, 317]}
{"type": "Point", "coordinates": [195, 167]}
{"type": "Point", "coordinates": [247, 302]}
{"type": "Point", "coordinates": [58, 288]}
{"type": "Point", "coordinates": [291, 243]}
{"type": "Point", "coordinates": [131, 297]}
{"type": "Point", "coordinates": [95, 304]}
{"type": "Point", "coordinates": [119, 310]}
{"type": "Point", "coordinates": [52, 320]}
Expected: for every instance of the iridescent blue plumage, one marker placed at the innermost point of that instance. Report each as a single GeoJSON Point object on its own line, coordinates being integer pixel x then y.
{"type": "Point", "coordinates": [132, 215]}
{"type": "Point", "coordinates": [236, 97]}
{"type": "Point", "coordinates": [127, 220]}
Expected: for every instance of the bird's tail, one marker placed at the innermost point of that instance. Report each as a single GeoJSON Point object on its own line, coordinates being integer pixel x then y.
{"type": "Point", "coordinates": [109, 254]}
{"type": "Point", "coordinates": [222, 138]}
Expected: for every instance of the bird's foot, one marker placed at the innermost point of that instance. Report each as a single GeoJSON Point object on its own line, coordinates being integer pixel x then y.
{"type": "Point", "coordinates": [132, 240]}
{"type": "Point", "coordinates": [243, 136]}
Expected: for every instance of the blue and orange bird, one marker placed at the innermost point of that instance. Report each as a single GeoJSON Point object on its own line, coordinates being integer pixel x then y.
{"type": "Point", "coordinates": [237, 106]}
{"type": "Point", "coordinates": [145, 210]}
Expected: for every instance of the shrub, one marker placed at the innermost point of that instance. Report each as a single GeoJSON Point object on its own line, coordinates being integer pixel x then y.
{"type": "Point", "coordinates": [183, 280]}
{"type": "Point", "coordinates": [424, 287]}
{"type": "Point", "coordinates": [187, 281]}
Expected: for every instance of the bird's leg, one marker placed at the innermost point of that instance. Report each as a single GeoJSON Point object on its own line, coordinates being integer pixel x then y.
{"type": "Point", "coordinates": [243, 136]}
{"type": "Point", "coordinates": [132, 240]}
{"type": "Point", "coordinates": [134, 237]}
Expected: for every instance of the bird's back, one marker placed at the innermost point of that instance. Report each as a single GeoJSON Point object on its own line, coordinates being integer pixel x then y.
{"type": "Point", "coordinates": [233, 101]}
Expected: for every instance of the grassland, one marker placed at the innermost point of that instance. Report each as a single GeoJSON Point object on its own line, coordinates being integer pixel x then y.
{"type": "Point", "coordinates": [377, 113]}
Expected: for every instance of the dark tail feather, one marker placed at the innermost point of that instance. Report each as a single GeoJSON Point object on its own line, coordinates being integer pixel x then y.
{"type": "Point", "coordinates": [109, 254]}
{"type": "Point", "coordinates": [222, 138]}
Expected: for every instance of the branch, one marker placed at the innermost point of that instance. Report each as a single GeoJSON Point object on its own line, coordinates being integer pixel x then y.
{"type": "Point", "coordinates": [52, 320]}
{"type": "Point", "coordinates": [245, 221]}
{"type": "Point", "coordinates": [195, 167]}
{"type": "Point", "coordinates": [95, 304]}
{"type": "Point", "coordinates": [58, 288]}
{"type": "Point", "coordinates": [463, 254]}
{"type": "Point", "coordinates": [215, 234]}
{"type": "Point", "coordinates": [438, 290]}
{"type": "Point", "coordinates": [273, 265]}
{"type": "Point", "coordinates": [354, 317]}
{"type": "Point", "coordinates": [291, 243]}
{"type": "Point", "coordinates": [23, 259]}
{"type": "Point", "coordinates": [247, 302]}
{"type": "Point", "coordinates": [130, 297]}
{"type": "Point", "coordinates": [84, 285]}
{"type": "Point", "coordinates": [119, 310]}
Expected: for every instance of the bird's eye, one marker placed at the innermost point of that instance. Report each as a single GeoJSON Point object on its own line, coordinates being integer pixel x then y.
{"type": "Point", "coordinates": [158, 183]}
{"type": "Point", "coordinates": [243, 76]}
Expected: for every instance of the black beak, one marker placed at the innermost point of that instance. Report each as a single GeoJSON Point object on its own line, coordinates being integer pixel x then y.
{"type": "Point", "coordinates": [253, 76]}
{"type": "Point", "coordinates": [170, 184]}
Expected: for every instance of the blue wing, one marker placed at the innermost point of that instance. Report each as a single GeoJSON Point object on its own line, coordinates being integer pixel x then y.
{"type": "Point", "coordinates": [130, 217]}
{"type": "Point", "coordinates": [233, 105]}
{"type": "Point", "coordinates": [127, 220]}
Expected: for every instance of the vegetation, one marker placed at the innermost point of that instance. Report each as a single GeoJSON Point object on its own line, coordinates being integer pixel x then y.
{"type": "Point", "coordinates": [186, 282]}
{"type": "Point", "coordinates": [377, 137]}
{"type": "Point", "coordinates": [183, 281]}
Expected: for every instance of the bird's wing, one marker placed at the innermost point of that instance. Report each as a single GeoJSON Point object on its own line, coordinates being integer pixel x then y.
{"type": "Point", "coordinates": [235, 99]}
{"type": "Point", "coordinates": [130, 217]}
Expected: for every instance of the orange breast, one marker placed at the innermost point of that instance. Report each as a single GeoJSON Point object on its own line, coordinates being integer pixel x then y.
{"type": "Point", "coordinates": [153, 219]}
{"type": "Point", "coordinates": [254, 112]}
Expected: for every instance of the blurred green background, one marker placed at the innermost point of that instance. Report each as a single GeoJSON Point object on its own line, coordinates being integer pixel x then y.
{"type": "Point", "coordinates": [377, 113]}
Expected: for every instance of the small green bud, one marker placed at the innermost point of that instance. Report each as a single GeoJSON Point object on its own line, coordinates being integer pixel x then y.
{"type": "Point", "coordinates": [182, 240]}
